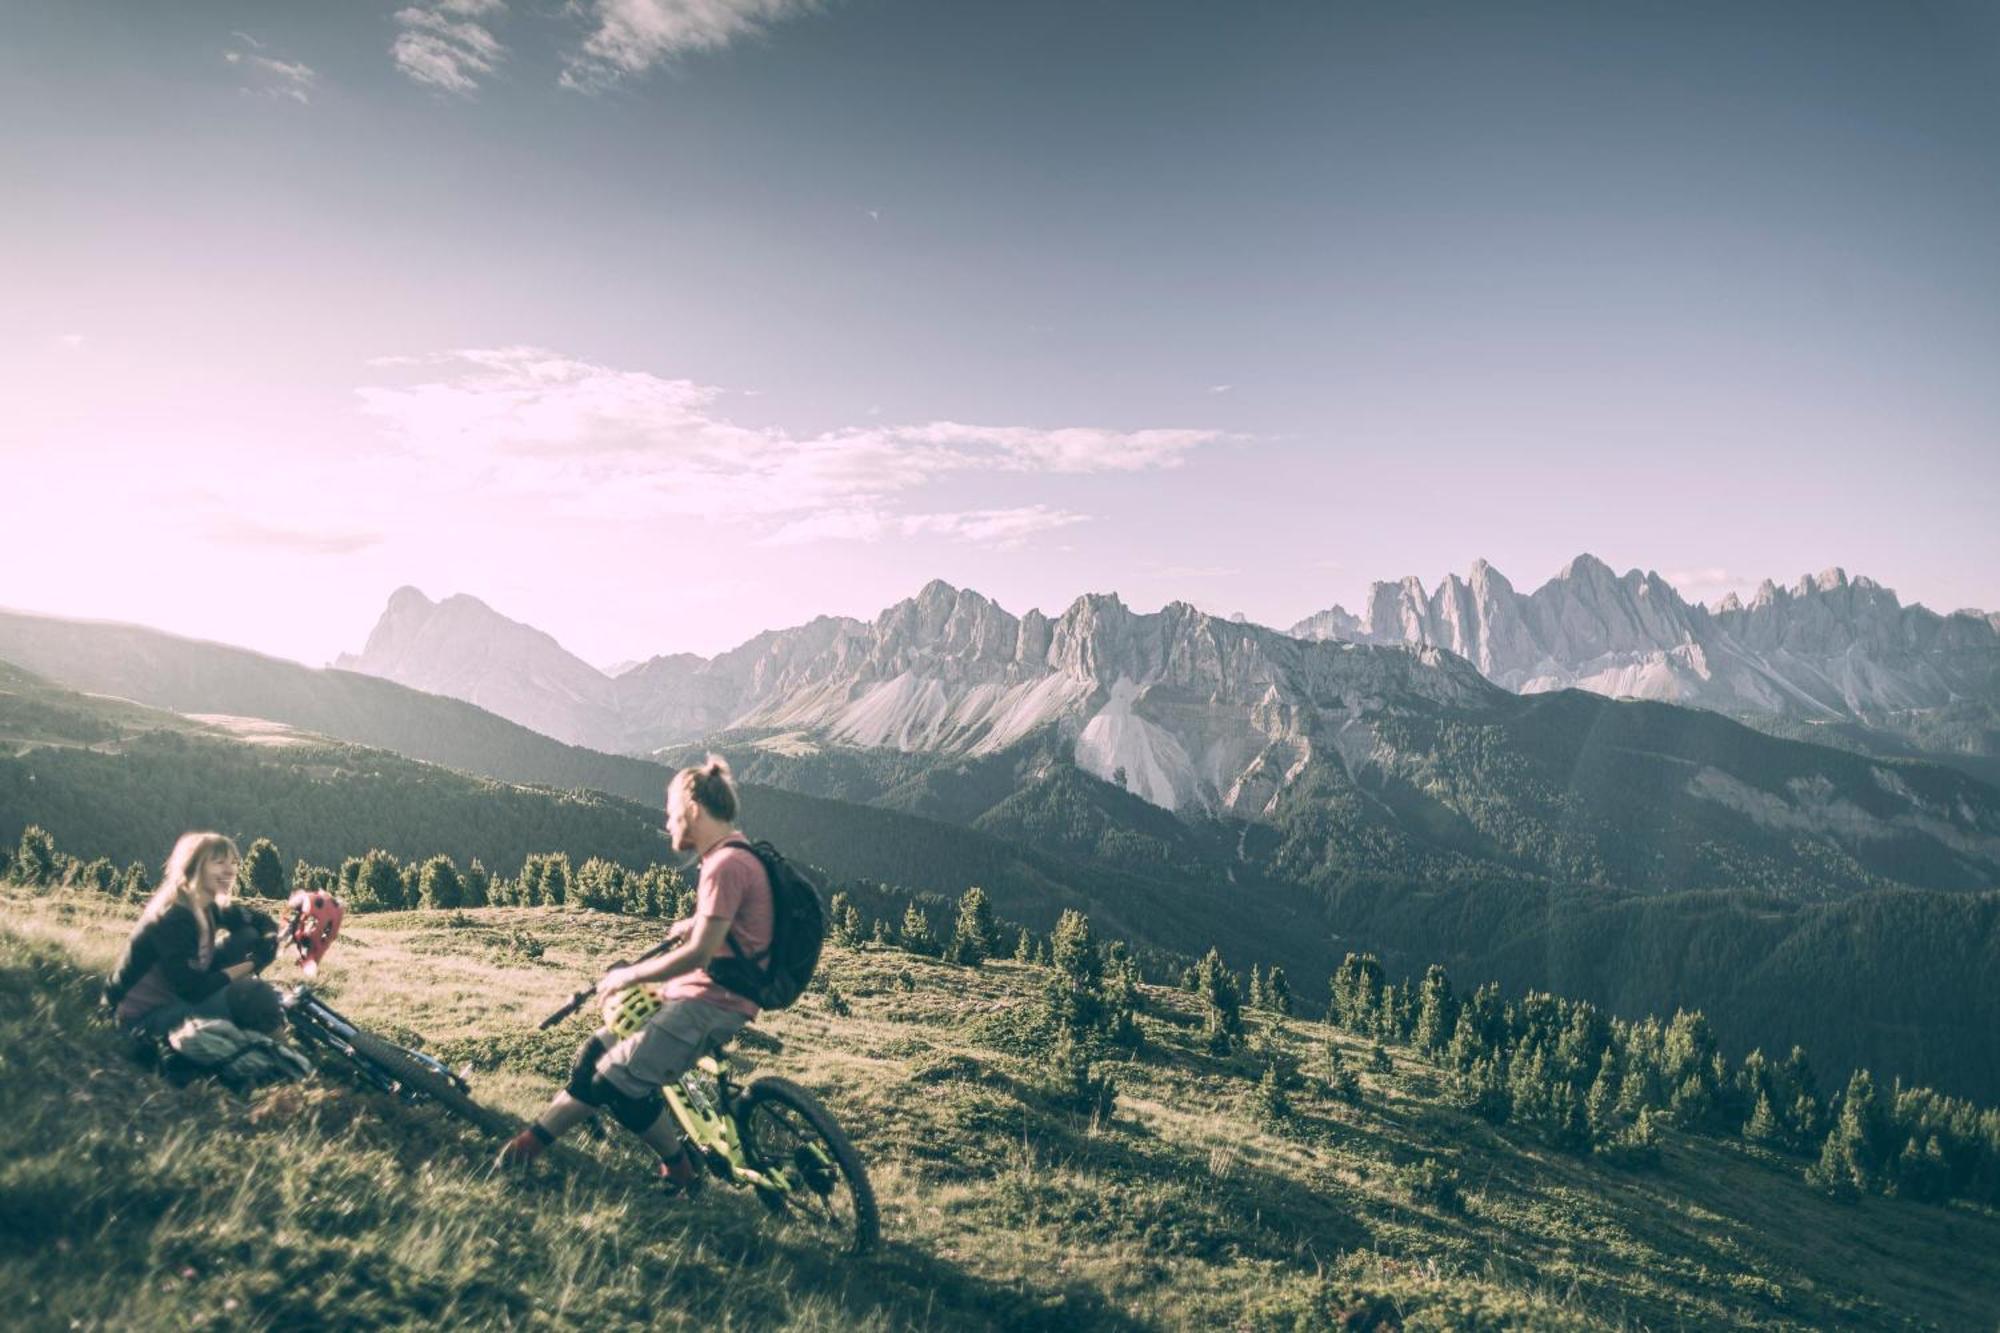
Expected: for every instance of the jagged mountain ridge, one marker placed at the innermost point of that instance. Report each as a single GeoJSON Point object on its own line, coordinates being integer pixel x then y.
{"type": "Point", "coordinates": [1829, 649]}
{"type": "Point", "coordinates": [1193, 711]}
{"type": "Point", "coordinates": [1370, 759]}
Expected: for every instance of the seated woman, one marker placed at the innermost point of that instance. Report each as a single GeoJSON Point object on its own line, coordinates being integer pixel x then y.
{"type": "Point", "coordinates": [194, 953]}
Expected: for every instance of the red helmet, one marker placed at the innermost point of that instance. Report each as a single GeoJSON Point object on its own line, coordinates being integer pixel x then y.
{"type": "Point", "coordinates": [314, 923]}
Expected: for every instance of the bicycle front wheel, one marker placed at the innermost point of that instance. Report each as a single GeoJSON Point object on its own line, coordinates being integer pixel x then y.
{"type": "Point", "coordinates": [419, 1077]}
{"type": "Point", "coordinates": [786, 1132]}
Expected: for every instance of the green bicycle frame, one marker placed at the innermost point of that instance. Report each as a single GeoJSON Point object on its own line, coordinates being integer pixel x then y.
{"type": "Point", "coordinates": [697, 1101]}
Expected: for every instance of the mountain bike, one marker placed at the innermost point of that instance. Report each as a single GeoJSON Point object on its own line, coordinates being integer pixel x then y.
{"type": "Point", "coordinates": [409, 1076]}
{"type": "Point", "coordinates": [769, 1135]}
{"type": "Point", "coordinates": [775, 1138]}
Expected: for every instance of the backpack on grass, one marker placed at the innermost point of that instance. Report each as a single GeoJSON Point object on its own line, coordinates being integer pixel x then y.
{"type": "Point", "coordinates": [217, 1048]}
{"type": "Point", "coordinates": [776, 977]}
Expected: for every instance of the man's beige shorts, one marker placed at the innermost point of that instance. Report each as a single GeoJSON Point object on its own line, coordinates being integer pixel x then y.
{"type": "Point", "coordinates": [667, 1046]}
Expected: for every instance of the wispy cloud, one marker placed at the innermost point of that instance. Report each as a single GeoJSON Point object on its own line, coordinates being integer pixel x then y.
{"type": "Point", "coordinates": [1707, 584]}
{"type": "Point", "coordinates": [987, 527]}
{"type": "Point", "coordinates": [445, 44]}
{"type": "Point", "coordinates": [629, 37]}
{"type": "Point", "coordinates": [267, 75]}
{"type": "Point", "coordinates": [70, 342]}
{"type": "Point", "coordinates": [239, 531]}
{"type": "Point", "coordinates": [621, 444]}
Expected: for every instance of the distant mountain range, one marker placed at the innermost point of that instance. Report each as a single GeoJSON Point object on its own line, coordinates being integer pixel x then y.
{"type": "Point", "coordinates": [1194, 712]}
{"type": "Point", "coordinates": [1830, 650]}
{"type": "Point", "coordinates": [1186, 710]}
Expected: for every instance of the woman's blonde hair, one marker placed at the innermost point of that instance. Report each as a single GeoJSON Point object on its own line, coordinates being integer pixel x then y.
{"type": "Point", "coordinates": [710, 786]}
{"type": "Point", "coordinates": [184, 866]}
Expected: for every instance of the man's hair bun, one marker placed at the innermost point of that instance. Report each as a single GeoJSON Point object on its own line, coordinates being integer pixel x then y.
{"type": "Point", "coordinates": [711, 786]}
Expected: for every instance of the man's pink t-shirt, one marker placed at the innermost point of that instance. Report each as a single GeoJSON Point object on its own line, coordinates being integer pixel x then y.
{"type": "Point", "coordinates": [733, 887]}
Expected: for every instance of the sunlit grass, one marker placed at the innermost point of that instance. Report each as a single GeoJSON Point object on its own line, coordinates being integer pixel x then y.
{"type": "Point", "coordinates": [127, 1202]}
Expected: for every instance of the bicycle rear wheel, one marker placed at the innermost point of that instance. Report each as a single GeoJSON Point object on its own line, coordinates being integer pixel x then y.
{"type": "Point", "coordinates": [419, 1077]}
{"type": "Point", "coordinates": [787, 1132]}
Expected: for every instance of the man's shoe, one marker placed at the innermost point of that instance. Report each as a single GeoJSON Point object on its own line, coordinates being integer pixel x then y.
{"type": "Point", "coordinates": [681, 1176]}
{"type": "Point", "coordinates": [517, 1152]}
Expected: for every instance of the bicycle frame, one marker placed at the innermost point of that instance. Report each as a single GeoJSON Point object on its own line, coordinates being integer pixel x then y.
{"type": "Point", "coordinates": [318, 1023]}
{"type": "Point", "coordinates": [702, 1102]}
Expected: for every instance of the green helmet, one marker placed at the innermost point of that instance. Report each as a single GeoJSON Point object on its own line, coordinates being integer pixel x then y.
{"type": "Point", "coordinates": [626, 1011]}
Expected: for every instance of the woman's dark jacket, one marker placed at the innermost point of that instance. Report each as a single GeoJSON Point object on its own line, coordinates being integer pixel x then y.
{"type": "Point", "coordinates": [172, 943]}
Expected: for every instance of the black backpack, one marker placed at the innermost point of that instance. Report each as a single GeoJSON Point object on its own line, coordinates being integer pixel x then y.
{"type": "Point", "coordinates": [778, 976]}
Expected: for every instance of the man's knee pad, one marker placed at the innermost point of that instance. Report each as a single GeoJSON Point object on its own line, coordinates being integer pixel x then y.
{"type": "Point", "coordinates": [583, 1070]}
{"type": "Point", "coordinates": [593, 1089]}
{"type": "Point", "coordinates": [637, 1114]}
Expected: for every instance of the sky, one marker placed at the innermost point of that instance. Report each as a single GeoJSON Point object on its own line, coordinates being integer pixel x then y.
{"type": "Point", "coordinates": [658, 323]}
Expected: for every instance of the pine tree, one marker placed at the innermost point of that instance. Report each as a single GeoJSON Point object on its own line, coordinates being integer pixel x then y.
{"type": "Point", "coordinates": [1072, 1082]}
{"type": "Point", "coordinates": [475, 884]}
{"type": "Point", "coordinates": [378, 883]}
{"type": "Point", "coordinates": [1074, 996]}
{"type": "Point", "coordinates": [1278, 991]}
{"type": "Point", "coordinates": [1921, 1172]}
{"type": "Point", "coordinates": [262, 873]}
{"type": "Point", "coordinates": [837, 923]}
{"type": "Point", "coordinates": [1437, 1011]}
{"type": "Point", "coordinates": [976, 935]}
{"type": "Point", "coordinates": [917, 937]}
{"type": "Point", "coordinates": [1690, 1071]}
{"type": "Point", "coordinates": [1256, 993]}
{"type": "Point", "coordinates": [1024, 947]}
{"type": "Point", "coordinates": [1121, 996]}
{"type": "Point", "coordinates": [1341, 1080]}
{"type": "Point", "coordinates": [1601, 1106]}
{"type": "Point", "coordinates": [1223, 1010]}
{"type": "Point", "coordinates": [1481, 1088]}
{"type": "Point", "coordinates": [1272, 1102]}
{"type": "Point", "coordinates": [1805, 1119]}
{"type": "Point", "coordinates": [599, 885]}
{"type": "Point", "coordinates": [438, 885]}
{"type": "Point", "coordinates": [1357, 992]}
{"type": "Point", "coordinates": [1637, 1146]}
{"type": "Point", "coordinates": [1389, 1014]}
{"type": "Point", "coordinates": [1850, 1159]}
{"type": "Point", "coordinates": [1765, 1125]}
{"type": "Point", "coordinates": [850, 923]}
{"type": "Point", "coordinates": [880, 934]}
{"type": "Point", "coordinates": [98, 874]}
{"type": "Point", "coordinates": [557, 877]}
{"type": "Point", "coordinates": [36, 861]}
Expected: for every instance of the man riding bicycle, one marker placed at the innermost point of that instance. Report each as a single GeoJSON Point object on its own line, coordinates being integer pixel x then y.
{"type": "Point", "coordinates": [662, 1012]}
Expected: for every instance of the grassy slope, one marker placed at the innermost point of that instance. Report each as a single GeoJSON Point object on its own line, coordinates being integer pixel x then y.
{"type": "Point", "coordinates": [124, 1201]}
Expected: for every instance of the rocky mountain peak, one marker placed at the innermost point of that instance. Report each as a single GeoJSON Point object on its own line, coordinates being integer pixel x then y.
{"type": "Point", "coordinates": [1586, 568]}
{"type": "Point", "coordinates": [407, 599]}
